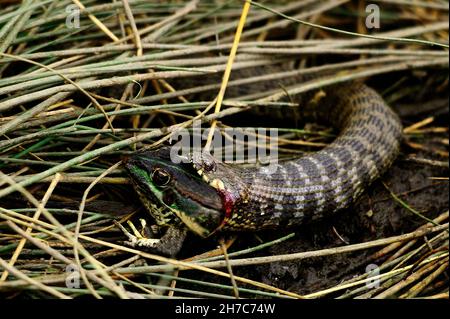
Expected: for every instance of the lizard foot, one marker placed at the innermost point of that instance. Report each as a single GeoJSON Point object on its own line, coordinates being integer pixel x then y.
{"type": "Point", "coordinates": [169, 244]}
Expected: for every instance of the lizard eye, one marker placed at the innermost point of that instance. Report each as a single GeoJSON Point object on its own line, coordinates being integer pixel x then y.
{"type": "Point", "coordinates": [160, 177]}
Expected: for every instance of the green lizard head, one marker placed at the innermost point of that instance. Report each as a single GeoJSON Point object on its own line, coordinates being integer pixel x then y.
{"type": "Point", "coordinates": [173, 191]}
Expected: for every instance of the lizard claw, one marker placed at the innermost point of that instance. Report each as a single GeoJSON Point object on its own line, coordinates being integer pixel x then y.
{"type": "Point", "coordinates": [137, 240]}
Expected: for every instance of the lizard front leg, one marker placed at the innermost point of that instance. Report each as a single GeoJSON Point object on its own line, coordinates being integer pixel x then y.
{"type": "Point", "coordinates": [169, 244]}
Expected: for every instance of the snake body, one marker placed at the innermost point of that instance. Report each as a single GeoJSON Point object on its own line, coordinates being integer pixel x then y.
{"type": "Point", "coordinates": [329, 180]}
{"type": "Point", "coordinates": [293, 191]}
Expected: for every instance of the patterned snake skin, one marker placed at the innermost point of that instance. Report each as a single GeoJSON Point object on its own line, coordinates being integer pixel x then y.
{"type": "Point", "coordinates": [326, 181]}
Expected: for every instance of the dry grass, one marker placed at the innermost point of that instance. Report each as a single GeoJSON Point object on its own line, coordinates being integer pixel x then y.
{"type": "Point", "coordinates": [74, 100]}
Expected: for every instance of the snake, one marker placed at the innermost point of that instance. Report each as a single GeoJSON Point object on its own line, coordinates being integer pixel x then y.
{"type": "Point", "coordinates": [205, 195]}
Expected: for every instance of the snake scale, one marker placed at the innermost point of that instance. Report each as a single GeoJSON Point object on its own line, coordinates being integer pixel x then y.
{"type": "Point", "coordinates": [207, 195]}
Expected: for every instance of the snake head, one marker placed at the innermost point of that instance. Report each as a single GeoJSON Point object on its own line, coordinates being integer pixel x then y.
{"type": "Point", "coordinates": [173, 191]}
{"type": "Point", "coordinates": [229, 181]}
{"type": "Point", "coordinates": [224, 178]}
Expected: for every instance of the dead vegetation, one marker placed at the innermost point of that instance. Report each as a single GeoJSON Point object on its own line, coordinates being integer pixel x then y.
{"type": "Point", "coordinates": [77, 95]}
